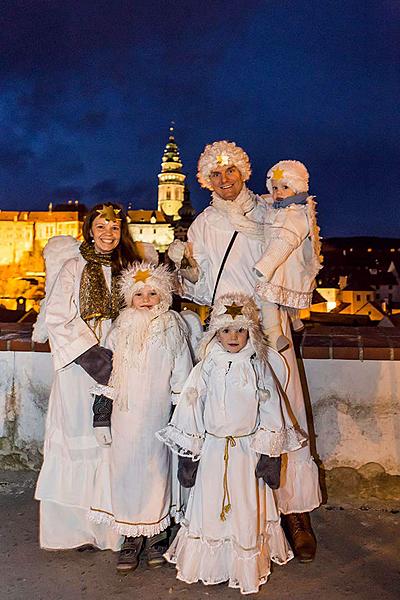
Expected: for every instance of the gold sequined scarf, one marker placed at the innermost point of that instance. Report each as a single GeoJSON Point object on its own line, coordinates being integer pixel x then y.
{"type": "Point", "coordinates": [96, 301]}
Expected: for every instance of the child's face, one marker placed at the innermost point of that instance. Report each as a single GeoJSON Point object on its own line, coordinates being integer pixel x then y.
{"type": "Point", "coordinates": [146, 298]}
{"type": "Point", "coordinates": [233, 340]}
{"type": "Point", "coordinates": [280, 190]}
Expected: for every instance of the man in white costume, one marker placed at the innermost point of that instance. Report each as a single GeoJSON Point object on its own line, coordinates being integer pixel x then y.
{"type": "Point", "coordinates": [225, 242]}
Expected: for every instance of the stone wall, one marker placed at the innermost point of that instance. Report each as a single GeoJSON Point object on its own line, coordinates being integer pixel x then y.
{"type": "Point", "coordinates": [352, 391]}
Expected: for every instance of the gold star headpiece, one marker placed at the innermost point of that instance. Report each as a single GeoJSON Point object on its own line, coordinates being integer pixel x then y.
{"type": "Point", "coordinates": [223, 159]}
{"type": "Point", "coordinates": [109, 213]}
{"type": "Point", "coordinates": [142, 276]}
{"type": "Point", "coordinates": [277, 174]}
{"type": "Point", "coordinates": [234, 310]}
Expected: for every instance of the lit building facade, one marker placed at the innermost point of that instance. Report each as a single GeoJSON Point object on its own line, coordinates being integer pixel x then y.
{"type": "Point", "coordinates": [171, 181]}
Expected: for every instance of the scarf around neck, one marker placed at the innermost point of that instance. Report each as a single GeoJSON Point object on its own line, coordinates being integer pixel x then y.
{"type": "Point", "coordinates": [97, 303]}
{"type": "Point", "coordinates": [238, 212]}
{"type": "Point", "coordinates": [296, 199]}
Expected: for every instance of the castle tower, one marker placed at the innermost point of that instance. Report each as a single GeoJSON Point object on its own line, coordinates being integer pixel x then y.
{"type": "Point", "coordinates": [171, 180]}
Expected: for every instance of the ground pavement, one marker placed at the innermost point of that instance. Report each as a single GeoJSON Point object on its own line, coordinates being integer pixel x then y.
{"type": "Point", "coordinates": [358, 558]}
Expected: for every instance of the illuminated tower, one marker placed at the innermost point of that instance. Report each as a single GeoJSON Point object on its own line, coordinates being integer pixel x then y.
{"type": "Point", "coordinates": [171, 180]}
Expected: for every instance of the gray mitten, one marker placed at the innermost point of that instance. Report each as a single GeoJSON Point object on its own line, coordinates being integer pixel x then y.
{"type": "Point", "coordinates": [269, 469]}
{"type": "Point", "coordinates": [187, 471]}
{"type": "Point", "coordinates": [97, 362]}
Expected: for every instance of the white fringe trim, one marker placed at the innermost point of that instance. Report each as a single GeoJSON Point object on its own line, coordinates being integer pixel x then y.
{"type": "Point", "coordinates": [283, 296]}
{"type": "Point", "coordinates": [181, 443]}
{"type": "Point", "coordinates": [105, 390]}
{"type": "Point", "coordinates": [130, 530]}
{"type": "Point", "coordinates": [275, 443]}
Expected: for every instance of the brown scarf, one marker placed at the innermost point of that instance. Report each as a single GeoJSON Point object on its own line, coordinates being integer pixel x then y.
{"type": "Point", "coordinates": [96, 301]}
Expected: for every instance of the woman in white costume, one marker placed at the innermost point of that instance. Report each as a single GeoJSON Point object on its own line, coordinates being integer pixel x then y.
{"type": "Point", "coordinates": [225, 242]}
{"type": "Point", "coordinates": [151, 363]}
{"type": "Point", "coordinates": [229, 429]}
{"type": "Point", "coordinates": [78, 314]}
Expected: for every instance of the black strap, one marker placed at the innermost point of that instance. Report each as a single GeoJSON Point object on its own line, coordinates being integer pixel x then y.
{"type": "Point", "coordinates": [227, 251]}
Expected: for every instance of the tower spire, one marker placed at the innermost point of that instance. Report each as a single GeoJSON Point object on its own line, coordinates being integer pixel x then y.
{"type": "Point", "coordinates": [171, 180]}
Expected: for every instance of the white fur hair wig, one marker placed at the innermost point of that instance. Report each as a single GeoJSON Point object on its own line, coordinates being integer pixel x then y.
{"type": "Point", "coordinates": [140, 274]}
{"type": "Point", "coordinates": [222, 154]}
{"type": "Point", "coordinates": [292, 173]}
{"type": "Point", "coordinates": [239, 311]}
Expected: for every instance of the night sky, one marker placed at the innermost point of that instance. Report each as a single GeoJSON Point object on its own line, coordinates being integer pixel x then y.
{"type": "Point", "coordinates": [88, 90]}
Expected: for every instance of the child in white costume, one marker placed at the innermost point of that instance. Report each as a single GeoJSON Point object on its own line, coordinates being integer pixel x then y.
{"type": "Point", "coordinates": [151, 363]}
{"type": "Point", "coordinates": [231, 422]}
{"type": "Point", "coordinates": [291, 258]}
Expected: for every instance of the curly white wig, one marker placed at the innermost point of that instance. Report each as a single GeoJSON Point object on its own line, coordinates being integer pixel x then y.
{"type": "Point", "coordinates": [140, 274]}
{"type": "Point", "coordinates": [219, 154]}
{"type": "Point", "coordinates": [239, 311]}
{"type": "Point", "coordinates": [291, 172]}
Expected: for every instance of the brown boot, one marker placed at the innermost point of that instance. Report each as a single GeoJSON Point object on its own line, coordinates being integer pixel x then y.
{"type": "Point", "coordinates": [299, 532]}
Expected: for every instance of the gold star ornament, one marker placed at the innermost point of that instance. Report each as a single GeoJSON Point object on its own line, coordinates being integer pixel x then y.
{"type": "Point", "coordinates": [142, 276]}
{"type": "Point", "coordinates": [109, 213]}
{"type": "Point", "coordinates": [277, 174]}
{"type": "Point", "coordinates": [223, 160]}
{"type": "Point", "coordinates": [234, 310]}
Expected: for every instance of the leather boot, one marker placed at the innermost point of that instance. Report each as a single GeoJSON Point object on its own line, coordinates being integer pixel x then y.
{"type": "Point", "coordinates": [301, 537]}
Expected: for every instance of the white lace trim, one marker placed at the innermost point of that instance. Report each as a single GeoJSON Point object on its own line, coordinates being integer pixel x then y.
{"type": "Point", "coordinates": [283, 296]}
{"type": "Point", "coordinates": [181, 443]}
{"type": "Point", "coordinates": [275, 443]}
{"type": "Point", "coordinates": [105, 390]}
{"type": "Point", "coordinates": [128, 529]}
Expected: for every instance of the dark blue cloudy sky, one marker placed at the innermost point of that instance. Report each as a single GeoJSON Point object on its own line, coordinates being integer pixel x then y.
{"type": "Point", "coordinates": [88, 89]}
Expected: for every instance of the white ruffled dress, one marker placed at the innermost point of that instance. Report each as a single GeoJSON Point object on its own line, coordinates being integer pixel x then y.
{"type": "Point", "coordinates": [230, 411]}
{"type": "Point", "coordinates": [133, 484]}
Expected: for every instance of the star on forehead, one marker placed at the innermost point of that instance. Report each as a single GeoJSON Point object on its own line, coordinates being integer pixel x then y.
{"type": "Point", "coordinates": [234, 310]}
{"type": "Point", "coordinates": [277, 174]}
{"type": "Point", "coordinates": [141, 276]}
{"type": "Point", "coordinates": [223, 159]}
{"type": "Point", "coordinates": [109, 213]}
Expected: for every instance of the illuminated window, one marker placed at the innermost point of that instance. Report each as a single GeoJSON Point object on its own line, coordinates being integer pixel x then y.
{"type": "Point", "coordinates": [369, 249]}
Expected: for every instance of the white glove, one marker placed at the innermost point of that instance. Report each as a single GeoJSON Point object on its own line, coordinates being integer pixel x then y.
{"type": "Point", "coordinates": [103, 436]}
{"type": "Point", "coordinates": [176, 250]}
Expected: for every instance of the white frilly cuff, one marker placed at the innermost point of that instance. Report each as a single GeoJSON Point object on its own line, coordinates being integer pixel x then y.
{"type": "Point", "coordinates": [105, 390]}
{"type": "Point", "coordinates": [181, 443]}
{"type": "Point", "coordinates": [275, 443]}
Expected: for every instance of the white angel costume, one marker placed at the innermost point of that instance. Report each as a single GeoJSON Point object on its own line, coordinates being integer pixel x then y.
{"type": "Point", "coordinates": [133, 487]}
{"type": "Point", "coordinates": [210, 234]}
{"type": "Point", "coordinates": [231, 410]}
{"type": "Point", "coordinates": [291, 258]}
{"type": "Point", "coordinates": [71, 453]}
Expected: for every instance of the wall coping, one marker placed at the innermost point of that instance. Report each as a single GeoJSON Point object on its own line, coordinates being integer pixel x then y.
{"type": "Point", "coordinates": [318, 342]}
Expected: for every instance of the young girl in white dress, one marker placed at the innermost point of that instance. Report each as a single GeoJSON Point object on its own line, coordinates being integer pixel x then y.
{"type": "Point", "coordinates": [230, 428]}
{"type": "Point", "coordinates": [151, 363]}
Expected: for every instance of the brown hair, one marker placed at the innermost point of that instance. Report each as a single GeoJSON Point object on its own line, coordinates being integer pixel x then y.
{"type": "Point", "coordinates": [125, 253]}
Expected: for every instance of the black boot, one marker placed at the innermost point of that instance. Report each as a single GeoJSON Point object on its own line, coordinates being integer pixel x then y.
{"type": "Point", "coordinates": [156, 547]}
{"type": "Point", "coordinates": [129, 554]}
{"type": "Point", "coordinates": [299, 532]}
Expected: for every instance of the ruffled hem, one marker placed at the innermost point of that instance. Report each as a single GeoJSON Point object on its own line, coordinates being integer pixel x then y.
{"type": "Point", "coordinates": [129, 529]}
{"type": "Point", "coordinates": [181, 443]}
{"type": "Point", "coordinates": [270, 292]}
{"type": "Point", "coordinates": [214, 561]}
{"type": "Point", "coordinates": [275, 443]}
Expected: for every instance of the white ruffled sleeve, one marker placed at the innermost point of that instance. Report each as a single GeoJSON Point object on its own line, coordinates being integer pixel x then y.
{"type": "Point", "coordinates": [185, 433]}
{"type": "Point", "coordinates": [200, 291]}
{"type": "Point", "coordinates": [69, 335]}
{"type": "Point", "coordinates": [277, 433]}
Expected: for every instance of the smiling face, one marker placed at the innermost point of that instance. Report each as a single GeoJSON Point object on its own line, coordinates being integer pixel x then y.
{"type": "Point", "coordinates": [281, 190]}
{"type": "Point", "coordinates": [146, 298]}
{"type": "Point", "coordinates": [106, 235]}
{"type": "Point", "coordinates": [233, 340]}
{"type": "Point", "coordinates": [227, 182]}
